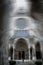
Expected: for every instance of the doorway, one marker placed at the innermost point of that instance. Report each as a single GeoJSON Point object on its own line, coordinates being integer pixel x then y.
{"type": "Point", "coordinates": [38, 51]}
{"type": "Point", "coordinates": [21, 50]}
{"type": "Point", "coordinates": [21, 55]}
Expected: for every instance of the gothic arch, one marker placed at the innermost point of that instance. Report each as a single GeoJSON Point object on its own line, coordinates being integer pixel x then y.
{"type": "Point", "coordinates": [21, 49]}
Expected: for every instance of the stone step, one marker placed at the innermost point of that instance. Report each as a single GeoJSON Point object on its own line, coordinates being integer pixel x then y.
{"type": "Point", "coordinates": [26, 63]}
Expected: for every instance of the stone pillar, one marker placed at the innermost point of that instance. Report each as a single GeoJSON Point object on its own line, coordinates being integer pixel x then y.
{"type": "Point", "coordinates": [8, 52]}
{"type": "Point", "coordinates": [13, 52]}
{"type": "Point", "coordinates": [29, 54]}
{"type": "Point", "coordinates": [34, 53]}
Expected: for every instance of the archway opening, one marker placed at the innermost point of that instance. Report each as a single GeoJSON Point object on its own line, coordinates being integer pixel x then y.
{"type": "Point", "coordinates": [38, 51]}
{"type": "Point", "coordinates": [21, 49]}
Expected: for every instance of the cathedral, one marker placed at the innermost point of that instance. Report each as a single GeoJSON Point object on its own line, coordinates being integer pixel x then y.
{"type": "Point", "coordinates": [22, 41]}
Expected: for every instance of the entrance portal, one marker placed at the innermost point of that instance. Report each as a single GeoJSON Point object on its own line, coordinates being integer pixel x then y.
{"type": "Point", "coordinates": [21, 50]}
{"type": "Point", "coordinates": [21, 55]}
{"type": "Point", "coordinates": [38, 51]}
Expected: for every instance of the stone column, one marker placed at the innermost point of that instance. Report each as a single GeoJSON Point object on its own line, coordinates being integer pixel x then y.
{"type": "Point", "coordinates": [13, 52]}
{"type": "Point", "coordinates": [33, 53]}
{"type": "Point", "coordinates": [8, 52]}
{"type": "Point", "coordinates": [29, 54]}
